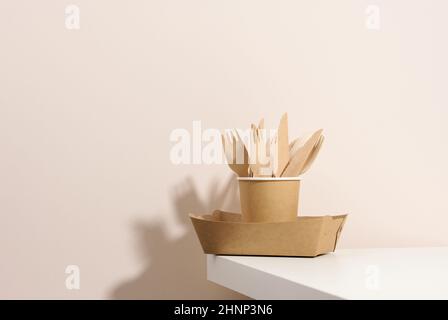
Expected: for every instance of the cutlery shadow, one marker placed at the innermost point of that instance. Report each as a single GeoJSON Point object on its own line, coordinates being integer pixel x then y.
{"type": "Point", "coordinates": [176, 269]}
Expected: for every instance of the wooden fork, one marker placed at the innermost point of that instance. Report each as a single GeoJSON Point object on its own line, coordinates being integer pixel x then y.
{"type": "Point", "coordinates": [232, 144]}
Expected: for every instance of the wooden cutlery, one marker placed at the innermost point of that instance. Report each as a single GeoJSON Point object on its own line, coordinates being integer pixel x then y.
{"type": "Point", "coordinates": [312, 155]}
{"type": "Point", "coordinates": [264, 156]}
{"type": "Point", "coordinates": [233, 147]}
{"type": "Point", "coordinates": [299, 158]}
{"type": "Point", "coordinates": [282, 146]}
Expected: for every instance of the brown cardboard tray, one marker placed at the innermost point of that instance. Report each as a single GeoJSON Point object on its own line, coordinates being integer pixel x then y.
{"type": "Point", "coordinates": [224, 233]}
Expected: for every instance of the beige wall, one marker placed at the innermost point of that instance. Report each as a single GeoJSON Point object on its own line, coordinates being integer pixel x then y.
{"type": "Point", "coordinates": [85, 118]}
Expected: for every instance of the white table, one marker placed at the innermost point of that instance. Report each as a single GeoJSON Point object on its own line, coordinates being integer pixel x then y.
{"type": "Point", "coordinates": [405, 273]}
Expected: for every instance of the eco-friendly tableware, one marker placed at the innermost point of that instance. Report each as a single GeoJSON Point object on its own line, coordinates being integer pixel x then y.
{"type": "Point", "coordinates": [296, 144]}
{"type": "Point", "coordinates": [313, 155]}
{"type": "Point", "coordinates": [282, 146]}
{"type": "Point", "coordinates": [269, 199]}
{"type": "Point", "coordinates": [225, 233]}
{"type": "Point", "coordinates": [235, 153]}
{"type": "Point", "coordinates": [263, 154]}
{"type": "Point", "coordinates": [298, 159]}
{"type": "Point", "coordinates": [241, 149]}
{"type": "Point", "coordinates": [259, 162]}
{"type": "Point", "coordinates": [270, 156]}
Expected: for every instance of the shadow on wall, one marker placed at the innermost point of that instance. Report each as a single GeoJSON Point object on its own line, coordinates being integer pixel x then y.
{"type": "Point", "coordinates": [176, 269]}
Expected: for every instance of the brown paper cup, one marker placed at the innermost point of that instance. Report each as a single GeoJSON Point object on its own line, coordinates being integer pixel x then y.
{"type": "Point", "coordinates": [269, 199]}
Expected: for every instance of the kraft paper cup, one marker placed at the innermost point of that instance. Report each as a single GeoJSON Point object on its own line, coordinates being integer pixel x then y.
{"type": "Point", "coordinates": [269, 199]}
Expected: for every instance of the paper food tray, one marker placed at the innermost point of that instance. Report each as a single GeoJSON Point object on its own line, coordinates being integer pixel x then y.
{"type": "Point", "coordinates": [224, 233]}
